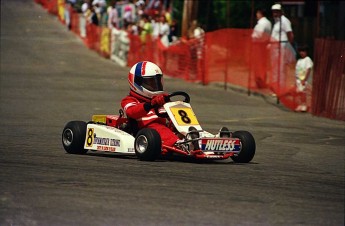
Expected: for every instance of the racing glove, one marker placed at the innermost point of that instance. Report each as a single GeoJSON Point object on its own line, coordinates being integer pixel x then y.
{"type": "Point", "coordinates": [158, 100]}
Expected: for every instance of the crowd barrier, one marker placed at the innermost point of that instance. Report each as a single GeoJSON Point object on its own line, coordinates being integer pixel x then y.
{"type": "Point", "coordinates": [329, 79]}
{"type": "Point", "coordinates": [227, 56]}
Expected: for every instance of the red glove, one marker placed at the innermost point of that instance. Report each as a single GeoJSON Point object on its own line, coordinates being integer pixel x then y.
{"type": "Point", "coordinates": [158, 100]}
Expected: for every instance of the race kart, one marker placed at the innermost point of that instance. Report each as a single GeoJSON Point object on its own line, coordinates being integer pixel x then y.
{"type": "Point", "coordinates": [120, 134]}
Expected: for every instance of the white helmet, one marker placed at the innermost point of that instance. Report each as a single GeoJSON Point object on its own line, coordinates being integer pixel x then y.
{"type": "Point", "coordinates": [145, 79]}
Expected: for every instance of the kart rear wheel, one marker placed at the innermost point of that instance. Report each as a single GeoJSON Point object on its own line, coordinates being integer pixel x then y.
{"type": "Point", "coordinates": [248, 147]}
{"type": "Point", "coordinates": [73, 137]}
{"type": "Point", "coordinates": [148, 144]}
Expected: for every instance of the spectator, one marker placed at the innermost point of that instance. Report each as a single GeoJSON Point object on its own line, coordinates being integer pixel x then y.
{"type": "Point", "coordinates": [303, 72]}
{"type": "Point", "coordinates": [146, 29]}
{"type": "Point", "coordinates": [282, 52]}
{"type": "Point", "coordinates": [68, 11]}
{"type": "Point", "coordinates": [93, 18]}
{"type": "Point", "coordinates": [260, 38]}
{"type": "Point", "coordinates": [86, 12]}
{"type": "Point", "coordinates": [113, 18]}
{"type": "Point", "coordinates": [140, 7]}
{"type": "Point", "coordinates": [173, 31]}
{"type": "Point", "coordinates": [154, 7]}
{"type": "Point", "coordinates": [128, 16]}
{"type": "Point", "coordinates": [196, 45]}
{"type": "Point", "coordinates": [140, 23]}
{"type": "Point", "coordinates": [99, 7]}
{"type": "Point", "coordinates": [196, 37]}
{"type": "Point", "coordinates": [155, 26]}
{"type": "Point", "coordinates": [195, 31]}
{"type": "Point", "coordinates": [167, 15]}
{"type": "Point", "coordinates": [164, 31]}
{"type": "Point", "coordinates": [132, 28]}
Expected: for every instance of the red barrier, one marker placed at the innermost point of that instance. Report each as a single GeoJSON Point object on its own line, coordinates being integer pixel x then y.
{"type": "Point", "coordinates": [138, 50]}
{"type": "Point", "coordinates": [226, 57]}
{"type": "Point", "coordinates": [75, 22]}
{"type": "Point", "coordinates": [177, 61]}
{"type": "Point", "coordinates": [92, 36]}
{"type": "Point", "coordinates": [52, 7]}
{"type": "Point", "coordinates": [181, 60]}
{"type": "Point", "coordinates": [42, 2]}
{"type": "Point", "coordinates": [49, 5]}
{"type": "Point", "coordinates": [329, 79]}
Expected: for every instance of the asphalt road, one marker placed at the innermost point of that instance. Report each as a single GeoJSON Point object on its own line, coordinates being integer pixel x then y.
{"type": "Point", "coordinates": [48, 77]}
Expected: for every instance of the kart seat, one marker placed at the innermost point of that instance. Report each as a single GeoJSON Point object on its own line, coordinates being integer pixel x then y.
{"type": "Point", "coordinates": [131, 127]}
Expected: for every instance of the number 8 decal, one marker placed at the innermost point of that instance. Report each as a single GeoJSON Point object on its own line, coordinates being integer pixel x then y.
{"type": "Point", "coordinates": [184, 116]}
{"type": "Point", "coordinates": [89, 139]}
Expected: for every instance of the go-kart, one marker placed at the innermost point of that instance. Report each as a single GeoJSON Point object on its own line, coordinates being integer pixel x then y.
{"type": "Point", "coordinates": [120, 134]}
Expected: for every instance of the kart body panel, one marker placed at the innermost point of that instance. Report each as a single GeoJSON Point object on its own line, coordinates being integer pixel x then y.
{"type": "Point", "coordinates": [109, 139]}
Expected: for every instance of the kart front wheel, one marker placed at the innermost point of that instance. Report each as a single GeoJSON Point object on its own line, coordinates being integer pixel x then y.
{"type": "Point", "coordinates": [248, 147]}
{"type": "Point", "coordinates": [147, 144]}
{"type": "Point", "coordinates": [73, 137]}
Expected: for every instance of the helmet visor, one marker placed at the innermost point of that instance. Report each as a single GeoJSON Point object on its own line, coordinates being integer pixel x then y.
{"type": "Point", "coordinates": [152, 83]}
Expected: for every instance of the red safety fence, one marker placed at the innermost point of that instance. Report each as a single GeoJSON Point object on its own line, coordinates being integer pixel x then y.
{"type": "Point", "coordinates": [227, 56]}
{"type": "Point", "coordinates": [329, 79]}
{"type": "Point", "coordinates": [50, 5]}
{"type": "Point", "coordinates": [179, 61]}
{"type": "Point", "coordinates": [75, 21]}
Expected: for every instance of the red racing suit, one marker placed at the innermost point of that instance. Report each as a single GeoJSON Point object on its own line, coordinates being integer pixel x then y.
{"type": "Point", "coordinates": [140, 109]}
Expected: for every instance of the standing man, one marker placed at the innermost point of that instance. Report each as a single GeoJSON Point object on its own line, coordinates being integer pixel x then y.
{"type": "Point", "coordinates": [260, 37]}
{"type": "Point", "coordinates": [282, 52]}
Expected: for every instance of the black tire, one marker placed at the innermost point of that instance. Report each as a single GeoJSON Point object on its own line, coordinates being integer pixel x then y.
{"type": "Point", "coordinates": [148, 144]}
{"type": "Point", "coordinates": [73, 137]}
{"type": "Point", "coordinates": [248, 147]}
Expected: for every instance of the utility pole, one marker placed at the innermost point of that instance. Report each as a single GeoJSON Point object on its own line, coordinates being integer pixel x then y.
{"type": "Point", "coordinates": [190, 10]}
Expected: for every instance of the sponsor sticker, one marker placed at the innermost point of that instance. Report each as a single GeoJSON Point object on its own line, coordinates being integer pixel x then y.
{"type": "Point", "coordinates": [221, 145]}
{"type": "Point", "coordinates": [131, 150]}
{"type": "Point", "coordinates": [105, 148]}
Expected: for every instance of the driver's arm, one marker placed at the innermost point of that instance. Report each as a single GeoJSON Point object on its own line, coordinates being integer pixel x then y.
{"type": "Point", "coordinates": [135, 109]}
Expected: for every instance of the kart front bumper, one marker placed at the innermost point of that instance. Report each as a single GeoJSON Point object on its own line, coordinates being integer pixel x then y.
{"type": "Point", "coordinates": [198, 154]}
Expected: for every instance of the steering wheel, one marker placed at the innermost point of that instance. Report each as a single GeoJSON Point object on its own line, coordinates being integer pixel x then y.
{"type": "Point", "coordinates": [168, 99]}
{"type": "Point", "coordinates": [178, 93]}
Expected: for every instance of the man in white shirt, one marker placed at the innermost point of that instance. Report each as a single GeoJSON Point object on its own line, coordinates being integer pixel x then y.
{"type": "Point", "coordinates": [282, 52]}
{"type": "Point", "coordinates": [262, 29]}
{"type": "Point", "coordinates": [260, 37]}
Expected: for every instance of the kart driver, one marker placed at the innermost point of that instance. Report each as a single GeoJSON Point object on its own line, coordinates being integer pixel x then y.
{"type": "Point", "coordinates": [146, 93]}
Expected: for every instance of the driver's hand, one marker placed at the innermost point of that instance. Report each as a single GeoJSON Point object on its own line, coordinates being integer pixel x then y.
{"type": "Point", "coordinates": [158, 100]}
